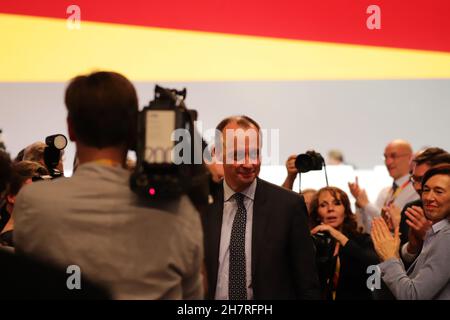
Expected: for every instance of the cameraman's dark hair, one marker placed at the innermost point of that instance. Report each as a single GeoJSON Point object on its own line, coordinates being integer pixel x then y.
{"type": "Point", "coordinates": [444, 170]}
{"type": "Point", "coordinates": [22, 171]}
{"type": "Point", "coordinates": [432, 157]}
{"type": "Point", "coordinates": [102, 108]}
{"type": "Point", "coordinates": [350, 226]}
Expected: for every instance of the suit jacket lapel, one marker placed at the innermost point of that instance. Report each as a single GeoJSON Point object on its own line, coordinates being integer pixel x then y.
{"type": "Point", "coordinates": [260, 215]}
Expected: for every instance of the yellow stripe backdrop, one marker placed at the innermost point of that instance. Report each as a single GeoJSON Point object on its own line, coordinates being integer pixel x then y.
{"type": "Point", "coordinates": [44, 49]}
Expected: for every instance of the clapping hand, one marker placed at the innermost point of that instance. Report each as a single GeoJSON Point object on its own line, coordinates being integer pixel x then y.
{"type": "Point", "coordinates": [386, 245]}
{"type": "Point", "coordinates": [418, 227]}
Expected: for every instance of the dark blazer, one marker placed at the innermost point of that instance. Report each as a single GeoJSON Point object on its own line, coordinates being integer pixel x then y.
{"type": "Point", "coordinates": [404, 228]}
{"type": "Point", "coordinates": [25, 278]}
{"type": "Point", "coordinates": [283, 258]}
{"type": "Point", "coordinates": [354, 258]}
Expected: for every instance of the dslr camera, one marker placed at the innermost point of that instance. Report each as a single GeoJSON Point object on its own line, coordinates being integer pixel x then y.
{"type": "Point", "coordinates": [309, 161]}
{"type": "Point", "coordinates": [325, 245]}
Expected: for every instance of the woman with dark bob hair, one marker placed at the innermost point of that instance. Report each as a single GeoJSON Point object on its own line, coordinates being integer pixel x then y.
{"type": "Point", "coordinates": [428, 278]}
{"type": "Point", "coordinates": [343, 252]}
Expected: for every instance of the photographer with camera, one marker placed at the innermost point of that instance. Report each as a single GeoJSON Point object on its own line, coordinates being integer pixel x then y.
{"type": "Point", "coordinates": [302, 163]}
{"type": "Point", "coordinates": [48, 154]}
{"type": "Point", "coordinates": [343, 253]}
{"type": "Point", "coordinates": [135, 249]}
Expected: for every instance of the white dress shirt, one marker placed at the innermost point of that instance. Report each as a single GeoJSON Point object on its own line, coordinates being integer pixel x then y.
{"type": "Point", "coordinates": [229, 211]}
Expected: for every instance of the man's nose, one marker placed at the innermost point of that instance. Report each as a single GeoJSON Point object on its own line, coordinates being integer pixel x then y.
{"type": "Point", "coordinates": [428, 197]}
{"type": "Point", "coordinates": [247, 163]}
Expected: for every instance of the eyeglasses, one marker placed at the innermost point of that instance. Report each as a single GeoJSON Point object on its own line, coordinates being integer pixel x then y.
{"type": "Point", "coordinates": [415, 179]}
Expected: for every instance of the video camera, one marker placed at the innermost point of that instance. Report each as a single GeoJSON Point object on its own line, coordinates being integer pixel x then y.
{"type": "Point", "coordinates": [310, 161]}
{"type": "Point", "coordinates": [164, 168]}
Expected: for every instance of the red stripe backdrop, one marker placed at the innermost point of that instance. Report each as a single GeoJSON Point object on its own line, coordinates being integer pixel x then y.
{"type": "Point", "coordinates": [414, 24]}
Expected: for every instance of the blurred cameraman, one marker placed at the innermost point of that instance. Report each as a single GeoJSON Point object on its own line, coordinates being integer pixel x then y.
{"type": "Point", "coordinates": [135, 249]}
{"type": "Point", "coordinates": [35, 152]}
{"type": "Point", "coordinates": [22, 174]}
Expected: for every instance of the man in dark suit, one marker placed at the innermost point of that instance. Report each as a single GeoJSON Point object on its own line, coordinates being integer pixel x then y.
{"type": "Point", "coordinates": [257, 241]}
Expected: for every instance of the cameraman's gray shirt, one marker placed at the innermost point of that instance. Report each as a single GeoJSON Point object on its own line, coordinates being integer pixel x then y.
{"type": "Point", "coordinates": [428, 278]}
{"type": "Point", "coordinates": [135, 250]}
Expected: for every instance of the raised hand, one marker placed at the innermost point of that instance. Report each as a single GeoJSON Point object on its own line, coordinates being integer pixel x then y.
{"type": "Point", "coordinates": [354, 188]}
{"type": "Point", "coordinates": [418, 227]}
{"type": "Point", "coordinates": [290, 166]}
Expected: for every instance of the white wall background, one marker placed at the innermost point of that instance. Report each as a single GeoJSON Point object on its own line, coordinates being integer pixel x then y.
{"type": "Point", "coordinates": [358, 117]}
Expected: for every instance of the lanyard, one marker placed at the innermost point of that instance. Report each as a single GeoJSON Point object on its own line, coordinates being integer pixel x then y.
{"type": "Point", "coordinates": [395, 194]}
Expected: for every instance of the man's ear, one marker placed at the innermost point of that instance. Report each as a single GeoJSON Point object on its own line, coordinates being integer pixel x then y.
{"type": "Point", "coordinates": [72, 135]}
{"type": "Point", "coordinates": [11, 199]}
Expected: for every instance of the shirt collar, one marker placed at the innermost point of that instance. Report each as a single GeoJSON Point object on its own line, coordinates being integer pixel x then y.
{"type": "Point", "coordinates": [248, 192]}
{"type": "Point", "coordinates": [438, 226]}
{"type": "Point", "coordinates": [400, 181]}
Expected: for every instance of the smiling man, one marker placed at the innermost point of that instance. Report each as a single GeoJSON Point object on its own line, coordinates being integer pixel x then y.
{"type": "Point", "coordinates": [397, 158]}
{"type": "Point", "coordinates": [257, 242]}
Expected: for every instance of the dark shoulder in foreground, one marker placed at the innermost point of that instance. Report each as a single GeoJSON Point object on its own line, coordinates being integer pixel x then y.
{"type": "Point", "coordinates": [280, 193]}
{"type": "Point", "coordinates": [27, 278]}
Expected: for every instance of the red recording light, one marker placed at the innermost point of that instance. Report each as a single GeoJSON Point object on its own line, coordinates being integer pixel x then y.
{"type": "Point", "coordinates": [151, 191]}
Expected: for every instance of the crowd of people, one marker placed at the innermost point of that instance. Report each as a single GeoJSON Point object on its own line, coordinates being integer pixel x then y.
{"type": "Point", "coordinates": [254, 241]}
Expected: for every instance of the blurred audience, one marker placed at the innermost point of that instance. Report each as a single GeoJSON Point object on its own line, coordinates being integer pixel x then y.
{"type": "Point", "coordinates": [35, 152]}
{"type": "Point", "coordinates": [5, 176]}
{"type": "Point", "coordinates": [397, 157]}
{"type": "Point", "coordinates": [335, 157]}
{"type": "Point", "coordinates": [22, 174]}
